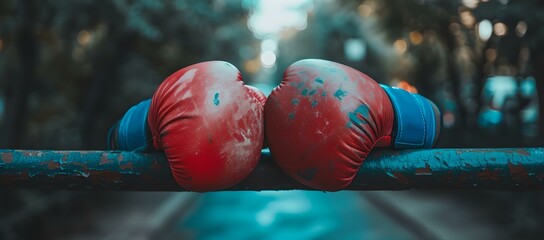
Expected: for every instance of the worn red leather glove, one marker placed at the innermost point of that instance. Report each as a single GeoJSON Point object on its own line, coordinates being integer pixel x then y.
{"type": "Point", "coordinates": [324, 118]}
{"type": "Point", "coordinates": [207, 122]}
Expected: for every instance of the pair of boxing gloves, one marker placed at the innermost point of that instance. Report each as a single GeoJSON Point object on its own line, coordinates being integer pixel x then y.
{"type": "Point", "coordinates": [320, 123]}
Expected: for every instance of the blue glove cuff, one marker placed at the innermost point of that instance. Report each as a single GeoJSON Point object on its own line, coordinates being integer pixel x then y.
{"type": "Point", "coordinates": [415, 121]}
{"type": "Point", "coordinates": [132, 134]}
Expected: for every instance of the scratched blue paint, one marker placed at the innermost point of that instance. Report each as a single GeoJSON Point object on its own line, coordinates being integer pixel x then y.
{"type": "Point", "coordinates": [340, 94]}
{"type": "Point", "coordinates": [391, 175]}
{"type": "Point", "coordinates": [84, 170]}
{"type": "Point", "coordinates": [314, 103]}
{"type": "Point", "coordinates": [84, 173]}
{"type": "Point", "coordinates": [216, 99]}
{"type": "Point", "coordinates": [501, 169]}
{"type": "Point", "coordinates": [312, 92]}
{"type": "Point", "coordinates": [319, 80]}
{"type": "Point", "coordinates": [358, 116]}
{"type": "Point", "coordinates": [295, 101]}
{"type": "Point", "coordinates": [304, 92]}
{"type": "Point", "coordinates": [32, 173]}
{"type": "Point", "coordinates": [507, 169]}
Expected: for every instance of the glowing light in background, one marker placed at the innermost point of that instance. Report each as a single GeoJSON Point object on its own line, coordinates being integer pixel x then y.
{"type": "Point", "coordinates": [521, 28]}
{"type": "Point", "coordinates": [467, 18]}
{"type": "Point", "coordinates": [83, 37]}
{"type": "Point", "coordinates": [448, 119]}
{"type": "Point", "coordinates": [269, 48]}
{"type": "Point", "coordinates": [485, 29]}
{"type": "Point", "coordinates": [269, 45]}
{"type": "Point", "coordinates": [527, 86]}
{"type": "Point", "coordinates": [365, 10]}
{"type": "Point", "coordinates": [400, 46]}
{"type": "Point", "coordinates": [500, 29]}
{"type": "Point", "coordinates": [415, 37]}
{"type": "Point", "coordinates": [490, 117]}
{"type": "Point", "coordinates": [268, 58]}
{"type": "Point", "coordinates": [252, 66]}
{"type": "Point", "coordinates": [406, 86]}
{"type": "Point", "coordinates": [271, 21]}
{"type": "Point", "coordinates": [355, 49]}
{"type": "Point", "coordinates": [470, 3]}
{"type": "Point", "coordinates": [498, 89]}
{"type": "Point", "coordinates": [270, 17]}
{"type": "Point", "coordinates": [529, 115]}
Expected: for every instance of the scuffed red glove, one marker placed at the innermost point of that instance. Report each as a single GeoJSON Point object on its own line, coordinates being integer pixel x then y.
{"type": "Point", "coordinates": [207, 122]}
{"type": "Point", "coordinates": [324, 118]}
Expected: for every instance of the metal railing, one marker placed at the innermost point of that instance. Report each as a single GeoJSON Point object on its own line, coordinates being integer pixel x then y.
{"type": "Point", "coordinates": [498, 169]}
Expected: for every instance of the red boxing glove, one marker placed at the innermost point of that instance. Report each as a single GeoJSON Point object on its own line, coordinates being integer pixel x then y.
{"type": "Point", "coordinates": [257, 95]}
{"type": "Point", "coordinates": [207, 122]}
{"type": "Point", "coordinates": [209, 125]}
{"type": "Point", "coordinates": [324, 118]}
{"type": "Point", "coordinates": [261, 98]}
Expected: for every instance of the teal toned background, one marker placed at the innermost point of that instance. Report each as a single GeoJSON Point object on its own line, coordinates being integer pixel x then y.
{"type": "Point", "coordinates": [69, 69]}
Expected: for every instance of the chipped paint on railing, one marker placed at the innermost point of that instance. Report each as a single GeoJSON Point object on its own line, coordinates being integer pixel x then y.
{"type": "Point", "coordinates": [503, 168]}
{"type": "Point", "coordinates": [499, 169]}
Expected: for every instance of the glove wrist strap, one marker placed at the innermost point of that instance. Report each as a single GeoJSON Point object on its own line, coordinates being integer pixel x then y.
{"type": "Point", "coordinates": [132, 131]}
{"type": "Point", "coordinates": [415, 122]}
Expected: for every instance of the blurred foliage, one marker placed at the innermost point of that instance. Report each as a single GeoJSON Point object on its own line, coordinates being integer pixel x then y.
{"type": "Point", "coordinates": [70, 69]}
{"type": "Point", "coordinates": [93, 61]}
{"type": "Point", "coordinates": [435, 46]}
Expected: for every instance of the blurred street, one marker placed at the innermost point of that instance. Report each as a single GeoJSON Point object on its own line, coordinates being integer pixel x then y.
{"type": "Point", "coordinates": [70, 69]}
{"type": "Point", "coordinates": [274, 215]}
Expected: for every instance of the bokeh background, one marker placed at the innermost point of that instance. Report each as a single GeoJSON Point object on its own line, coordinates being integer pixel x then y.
{"type": "Point", "coordinates": [69, 69]}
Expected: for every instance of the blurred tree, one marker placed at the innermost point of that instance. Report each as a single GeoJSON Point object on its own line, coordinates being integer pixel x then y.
{"type": "Point", "coordinates": [442, 53]}
{"type": "Point", "coordinates": [331, 25]}
{"type": "Point", "coordinates": [17, 95]}
{"type": "Point", "coordinates": [92, 61]}
{"type": "Point", "coordinates": [523, 22]}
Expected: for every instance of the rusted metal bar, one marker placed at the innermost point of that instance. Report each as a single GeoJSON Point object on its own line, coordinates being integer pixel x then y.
{"type": "Point", "coordinates": [80, 170]}
{"type": "Point", "coordinates": [499, 169]}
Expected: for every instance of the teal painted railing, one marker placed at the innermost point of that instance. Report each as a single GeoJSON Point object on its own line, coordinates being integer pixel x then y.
{"type": "Point", "coordinates": [499, 169]}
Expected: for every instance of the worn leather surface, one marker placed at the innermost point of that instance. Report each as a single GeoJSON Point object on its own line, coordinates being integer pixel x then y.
{"type": "Point", "coordinates": [209, 125]}
{"type": "Point", "coordinates": [323, 120]}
